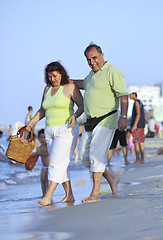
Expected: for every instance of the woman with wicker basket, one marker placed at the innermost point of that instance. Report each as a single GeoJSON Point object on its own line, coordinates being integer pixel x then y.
{"type": "Point", "coordinates": [62, 129]}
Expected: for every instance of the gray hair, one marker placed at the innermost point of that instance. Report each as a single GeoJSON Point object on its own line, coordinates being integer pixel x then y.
{"type": "Point", "coordinates": [92, 45]}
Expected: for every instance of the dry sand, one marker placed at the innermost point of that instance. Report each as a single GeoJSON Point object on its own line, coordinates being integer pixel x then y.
{"type": "Point", "coordinates": [135, 214]}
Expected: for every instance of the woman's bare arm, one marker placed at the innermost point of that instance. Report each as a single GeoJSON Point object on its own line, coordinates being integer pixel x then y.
{"type": "Point", "coordinates": [39, 115]}
{"type": "Point", "coordinates": [78, 100]}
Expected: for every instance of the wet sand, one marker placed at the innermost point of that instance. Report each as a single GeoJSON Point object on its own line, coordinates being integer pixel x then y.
{"type": "Point", "coordinates": [136, 213]}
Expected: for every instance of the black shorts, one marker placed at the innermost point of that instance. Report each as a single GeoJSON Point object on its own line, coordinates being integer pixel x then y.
{"type": "Point", "coordinates": [121, 136]}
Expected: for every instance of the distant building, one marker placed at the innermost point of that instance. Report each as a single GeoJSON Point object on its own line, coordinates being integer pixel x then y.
{"type": "Point", "coordinates": [161, 88]}
{"type": "Point", "coordinates": [151, 96]}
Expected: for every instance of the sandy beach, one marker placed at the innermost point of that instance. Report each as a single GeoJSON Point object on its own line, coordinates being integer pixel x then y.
{"type": "Point", "coordinates": [136, 212]}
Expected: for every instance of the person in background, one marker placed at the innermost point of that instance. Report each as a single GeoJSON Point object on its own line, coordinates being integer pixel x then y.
{"type": "Point", "coordinates": [62, 129]}
{"type": "Point", "coordinates": [151, 127]}
{"type": "Point", "coordinates": [104, 87]}
{"type": "Point", "coordinates": [121, 137]}
{"type": "Point", "coordinates": [1, 154]}
{"type": "Point", "coordinates": [160, 129]}
{"type": "Point", "coordinates": [159, 152]}
{"type": "Point", "coordinates": [16, 126]}
{"type": "Point", "coordinates": [36, 142]}
{"type": "Point", "coordinates": [156, 129]}
{"type": "Point", "coordinates": [42, 152]}
{"type": "Point", "coordinates": [76, 152]}
{"type": "Point", "coordinates": [30, 115]}
{"type": "Point", "coordinates": [9, 133]}
{"type": "Point", "coordinates": [137, 128]}
{"type": "Point", "coordinates": [130, 143]}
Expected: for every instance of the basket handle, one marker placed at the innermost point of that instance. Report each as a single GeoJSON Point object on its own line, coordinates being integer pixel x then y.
{"type": "Point", "coordinates": [21, 130]}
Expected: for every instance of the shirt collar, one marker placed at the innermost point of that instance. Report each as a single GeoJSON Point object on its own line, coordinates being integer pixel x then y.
{"type": "Point", "coordinates": [103, 67]}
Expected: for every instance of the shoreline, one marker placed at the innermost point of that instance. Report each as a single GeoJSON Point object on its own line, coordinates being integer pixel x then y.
{"type": "Point", "coordinates": [136, 212]}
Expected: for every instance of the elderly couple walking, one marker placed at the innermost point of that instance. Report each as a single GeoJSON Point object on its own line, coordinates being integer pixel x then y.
{"type": "Point", "coordinates": [104, 89]}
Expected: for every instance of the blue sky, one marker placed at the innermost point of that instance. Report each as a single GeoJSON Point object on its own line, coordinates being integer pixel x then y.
{"type": "Point", "coordinates": [36, 32]}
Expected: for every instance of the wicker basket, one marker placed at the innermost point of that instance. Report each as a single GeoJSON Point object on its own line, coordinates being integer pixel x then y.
{"type": "Point", "coordinates": [19, 149]}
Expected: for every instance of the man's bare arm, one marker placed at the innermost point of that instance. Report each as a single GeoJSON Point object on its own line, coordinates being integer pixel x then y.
{"type": "Point", "coordinates": [138, 114]}
{"type": "Point", "coordinates": [124, 104]}
{"type": "Point", "coordinates": [122, 123]}
{"type": "Point", "coordinates": [78, 83]}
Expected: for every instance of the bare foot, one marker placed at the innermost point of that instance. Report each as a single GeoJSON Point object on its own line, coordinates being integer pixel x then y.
{"type": "Point", "coordinates": [111, 170]}
{"type": "Point", "coordinates": [142, 161]}
{"type": "Point", "coordinates": [137, 162]}
{"type": "Point", "coordinates": [127, 163]}
{"type": "Point", "coordinates": [114, 184]}
{"type": "Point", "coordinates": [45, 201]}
{"type": "Point", "coordinates": [69, 198]}
{"type": "Point", "coordinates": [147, 155]}
{"type": "Point", "coordinates": [91, 199]}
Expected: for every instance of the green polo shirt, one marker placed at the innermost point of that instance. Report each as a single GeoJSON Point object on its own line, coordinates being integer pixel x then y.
{"type": "Point", "coordinates": [102, 92]}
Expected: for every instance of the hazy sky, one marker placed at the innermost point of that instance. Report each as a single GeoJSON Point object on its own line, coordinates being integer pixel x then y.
{"type": "Point", "coordinates": [36, 32]}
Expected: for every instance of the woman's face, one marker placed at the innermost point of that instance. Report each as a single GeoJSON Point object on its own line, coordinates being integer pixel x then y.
{"type": "Point", "coordinates": [55, 78]}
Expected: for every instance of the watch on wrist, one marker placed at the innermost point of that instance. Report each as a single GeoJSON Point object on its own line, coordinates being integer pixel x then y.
{"type": "Point", "coordinates": [75, 116]}
{"type": "Point", "coordinates": [123, 116]}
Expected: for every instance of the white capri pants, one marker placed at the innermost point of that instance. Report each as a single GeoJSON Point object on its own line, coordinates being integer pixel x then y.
{"type": "Point", "coordinates": [94, 147]}
{"type": "Point", "coordinates": [61, 143]}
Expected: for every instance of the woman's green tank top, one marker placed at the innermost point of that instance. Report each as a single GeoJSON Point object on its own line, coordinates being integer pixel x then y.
{"type": "Point", "coordinates": [58, 108]}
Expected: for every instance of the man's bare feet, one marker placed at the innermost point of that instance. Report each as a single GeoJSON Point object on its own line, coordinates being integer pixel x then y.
{"type": "Point", "coordinates": [114, 184]}
{"type": "Point", "coordinates": [69, 198]}
{"type": "Point", "coordinates": [137, 162]}
{"type": "Point", "coordinates": [45, 201]}
{"type": "Point", "coordinates": [91, 199]}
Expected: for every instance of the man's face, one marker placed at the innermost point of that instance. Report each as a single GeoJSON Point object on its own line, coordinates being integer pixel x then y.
{"type": "Point", "coordinates": [131, 95]}
{"type": "Point", "coordinates": [95, 59]}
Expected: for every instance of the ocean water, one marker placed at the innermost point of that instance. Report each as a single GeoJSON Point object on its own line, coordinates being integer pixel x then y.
{"type": "Point", "coordinates": [20, 189]}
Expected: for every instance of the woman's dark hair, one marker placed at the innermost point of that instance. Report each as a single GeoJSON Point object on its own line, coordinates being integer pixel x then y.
{"type": "Point", "coordinates": [56, 66]}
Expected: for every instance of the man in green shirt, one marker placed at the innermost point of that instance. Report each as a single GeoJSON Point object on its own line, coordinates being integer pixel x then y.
{"type": "Point", "coordinates": [104, 87]}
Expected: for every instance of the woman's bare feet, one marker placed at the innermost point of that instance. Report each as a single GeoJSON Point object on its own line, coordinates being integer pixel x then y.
{"type": "Point", "coordinates": [127, 163]}
{"type": "Point", "coordinates": [45, 201]}
{"type": "Point", "coordinates": [91, 199]}
{"type": "Point", "coordinates": [113, 185]}
{"type": "Point", "coordinates": [69, 198]}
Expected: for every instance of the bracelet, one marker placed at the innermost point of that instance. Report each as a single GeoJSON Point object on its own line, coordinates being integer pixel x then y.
{"type": "Point", "coordinates": [75, 116]}
{"type": "Point", "coordinates": [123, 116]}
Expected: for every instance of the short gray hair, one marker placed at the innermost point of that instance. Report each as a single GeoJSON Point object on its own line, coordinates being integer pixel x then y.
{"type": "Point", "coordinates": [92, 45]}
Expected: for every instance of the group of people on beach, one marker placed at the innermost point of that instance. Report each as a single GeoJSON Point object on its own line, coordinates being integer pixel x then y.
{"type": "Point", "coordinates": [135, 136]}
{"type": "Point", "coordinates": [105, 89]}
